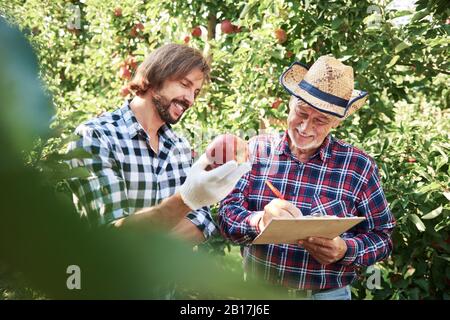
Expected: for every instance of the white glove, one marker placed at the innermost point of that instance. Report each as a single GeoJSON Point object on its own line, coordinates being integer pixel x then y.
{"type": "Point", "coordinates": [204, 188]}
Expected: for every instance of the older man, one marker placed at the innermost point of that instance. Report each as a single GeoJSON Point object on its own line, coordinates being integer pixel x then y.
{"type": "Point", "coordinates": [317, 174]}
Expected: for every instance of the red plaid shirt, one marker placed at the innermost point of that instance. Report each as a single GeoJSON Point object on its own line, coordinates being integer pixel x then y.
{"type": "Point", "coordinates": [338, 180]}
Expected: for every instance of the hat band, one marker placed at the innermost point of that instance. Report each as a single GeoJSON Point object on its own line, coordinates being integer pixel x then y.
{"type": "Point", "coordinates": [316, 92]}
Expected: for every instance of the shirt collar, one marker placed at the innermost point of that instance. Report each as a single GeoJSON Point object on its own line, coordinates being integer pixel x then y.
{"type": "Point", "coordinates": [131, 122]}
{"type": "Point", "coordinates": [167, 131]}
{"type": "Point", "coordinates": [134, 127]}
{"type": "Point", "coordinates": [324, 150]}
{"type": "Point", "coordinates": [283, 145]}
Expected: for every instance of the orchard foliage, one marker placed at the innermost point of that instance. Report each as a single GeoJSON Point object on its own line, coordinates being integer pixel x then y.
{"type": "Point", "coordinates": [88, 50]}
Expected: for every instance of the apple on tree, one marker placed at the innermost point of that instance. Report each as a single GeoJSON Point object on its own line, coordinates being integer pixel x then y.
{"type": "Point", "coordinates": [124, 73]}
{"type": "Point", "coordinates": [196, 32]}
{"type": "Point", "coordinates": [138, 27]}
{"type": "Point", "coordinates": [281, 35]}
{"type": "Point", "coordinates": [131, 62]}
{"type": "Point", "coordinates": [276, 103]}
{"type": "Point", "coordinates": [227, 27]}
{"type": "Point", "coordinates": [118, 12]}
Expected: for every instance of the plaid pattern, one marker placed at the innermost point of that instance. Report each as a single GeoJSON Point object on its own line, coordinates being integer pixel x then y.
{"type": "Point", "coordinates": [338, 180]}
{"type": "Point", "coordinates": [126, 175]}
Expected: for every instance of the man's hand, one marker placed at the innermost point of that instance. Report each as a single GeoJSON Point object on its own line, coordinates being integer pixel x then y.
{"type": "Point", "coordinates": [204, 188]}
{"type": "Point", "coordinates": [280, 209]}
{"type": "Point", "coordinates": [324, 250]}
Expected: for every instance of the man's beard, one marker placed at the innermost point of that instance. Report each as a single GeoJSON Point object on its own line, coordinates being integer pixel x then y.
{"type": "Point", "coordinates": [303, 147]}
{"type": "Point", "coordinates": [163, 104]}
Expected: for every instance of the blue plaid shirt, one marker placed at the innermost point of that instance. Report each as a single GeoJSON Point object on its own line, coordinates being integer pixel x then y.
{"type": "Point", "coordinates": [126, 174]}
{"type": "Point", "coordinates": [338, 180]}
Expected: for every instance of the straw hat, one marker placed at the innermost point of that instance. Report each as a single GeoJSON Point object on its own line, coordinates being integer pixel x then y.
{"type": "Point", "coordinates": [327, 86]}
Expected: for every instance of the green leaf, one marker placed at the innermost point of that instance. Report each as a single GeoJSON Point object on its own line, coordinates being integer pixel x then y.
{"type": "Point", "coordinates": [409, 272]}
{"type": "Point", "coordinates": [336, 23]}
{"type": "Point", "coordinates": [442, 225]}
{"type": "Point", "coordinates": [344, 58]}
{"type": "Point", "coordinates": [442, 160]}
{"type": "Point", "coordinates": [402, 46]}
{"type": "Point", "coordinates": [419, 15]}
{"type": "Point", "coordinates": [78, 172]}
{"type": "Point", "coordinates": [372, 21]}
{"type": "Point", "coordinates": [402, 13]}
{"type": "Point", "coordinates": [429, 187]}
{"type": "Point", "coordinates": [417, 222]}
{"type": "Point", "coordinates": [444, 258]}
{"type": "Point", "coordinates": [413, 294]}
{"type": "Point", "coordinates": [78, 153]}
{"type": "Point", "coordinates": [433, 214]}
{"type": "Point", "coordinates": [447, 195]}
{"type": "Point", "coordinates": [393, 61]}
{"type": "Point", "coordinates": [245, 11]}
{"type": "Point", "coordinates": [423, 284]}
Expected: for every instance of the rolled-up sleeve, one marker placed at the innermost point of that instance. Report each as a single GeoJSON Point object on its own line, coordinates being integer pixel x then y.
{"type": "Point", "coordinates": [101, 197]}
{"type": "Point", "coordinates": [202, 219]}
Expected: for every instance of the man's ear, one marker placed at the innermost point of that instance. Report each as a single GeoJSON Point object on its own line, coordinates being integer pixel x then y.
{"type": "Point", "coordinates": [149, 92]}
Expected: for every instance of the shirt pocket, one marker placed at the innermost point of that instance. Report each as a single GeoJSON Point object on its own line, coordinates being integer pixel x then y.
{"type": "Point", "coordinates": [323, 205]}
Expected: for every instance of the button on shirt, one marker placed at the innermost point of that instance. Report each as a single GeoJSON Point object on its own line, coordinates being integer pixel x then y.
{"type": "Point", "coordinates": [126, 175]}
{"type": "Point", "coordinates": [339, 180]}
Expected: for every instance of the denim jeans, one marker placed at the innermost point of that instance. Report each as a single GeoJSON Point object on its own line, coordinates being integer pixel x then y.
{"type": "Point", "coordinates": [343, 293]}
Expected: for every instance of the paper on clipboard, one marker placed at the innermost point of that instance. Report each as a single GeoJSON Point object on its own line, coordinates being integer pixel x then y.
{"type": "Point", "coordinates": [289, 231]}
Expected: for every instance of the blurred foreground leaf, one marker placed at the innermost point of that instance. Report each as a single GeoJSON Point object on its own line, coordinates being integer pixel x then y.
{"type": "Point", "coordinates": [41, 234]}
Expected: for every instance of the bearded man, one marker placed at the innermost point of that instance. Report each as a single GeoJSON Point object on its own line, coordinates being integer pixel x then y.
{"type": "Point", "coordinates": [140, 169]}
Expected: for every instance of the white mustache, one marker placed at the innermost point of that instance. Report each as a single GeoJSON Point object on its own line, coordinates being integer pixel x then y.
{"type": "Point", "coordinates": [303, 133]}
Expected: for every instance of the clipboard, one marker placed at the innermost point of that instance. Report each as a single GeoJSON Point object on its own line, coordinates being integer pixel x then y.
{"type": "Point", "coordinates": [289, 231]}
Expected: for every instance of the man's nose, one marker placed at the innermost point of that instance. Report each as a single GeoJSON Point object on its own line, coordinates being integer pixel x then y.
{"type": "Point", "coordinates": [306, 125]}
{"type": "Point", "coordinates": [190, 97]}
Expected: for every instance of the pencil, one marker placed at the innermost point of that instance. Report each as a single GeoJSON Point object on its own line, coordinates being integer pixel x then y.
{"type": "Point", "coordinates": [274, 190]}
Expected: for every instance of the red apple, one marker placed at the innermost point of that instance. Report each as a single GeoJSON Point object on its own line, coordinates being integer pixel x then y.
{"type": "Point", "coordinates": [226, 26]}
{"type": "Point", "coordinates": [411, 160]}
{"type": "Point", "coordinates": [133, 32]}
{"type": "Point", "coordinates": [118, 12]}
{"type": "Point", "coordinates": [276, 103]}
{"type": "Point", "coordinates": [138, 27]}
{"type": "Point", "coordinates": [124, 73]}
{"type": "Point", "coordinates": [226, 147]}
{"type": "Point", "coordinates": [131, 62]}
{"type": "Point", "coordinates": [289, 54]}
{"type": "Point", "coordinates": [187, 39]}
{"type": "Point", "coordinates": [196, 32]}
{"type": "Point", "coordinates": [281, 35]}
